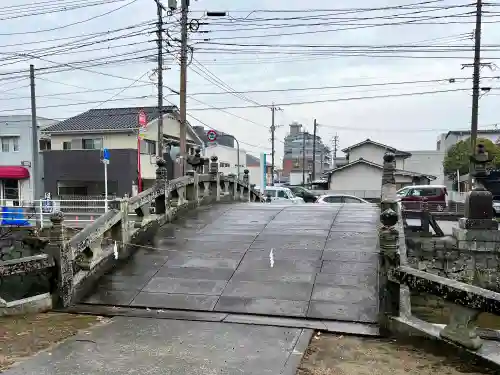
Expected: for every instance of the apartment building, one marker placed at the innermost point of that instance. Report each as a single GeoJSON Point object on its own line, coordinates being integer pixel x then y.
{"type": "Point", "coordinates": [17, 157]}
{"type": "Point", "coordinates": [73, 165]}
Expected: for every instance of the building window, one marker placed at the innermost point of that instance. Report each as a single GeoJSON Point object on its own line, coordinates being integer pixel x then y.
{"type": "Point", "coordinates": [15, 144]}
{"type": "Point", "coordinates": [224, 165]}
{"type": "Point", "coordinates": [66, 145]}
{"type": "Point", "coordinates": [5, 144]}
{"type": "Point", "coordinates": [45, 144]}
{"type": "Point", "coordinates": [148, 147]}
{"type": "Point", "coordinates": [92, 144]}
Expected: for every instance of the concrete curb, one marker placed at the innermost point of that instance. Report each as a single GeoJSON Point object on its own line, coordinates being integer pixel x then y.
{"type": "Point", "coordinates": [293, 362]}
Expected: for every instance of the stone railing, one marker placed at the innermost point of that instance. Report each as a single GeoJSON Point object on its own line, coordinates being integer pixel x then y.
{"type": "Point", "coordinates": [84, 257]}
{"type": "Point", "coordinates": [398, 280]}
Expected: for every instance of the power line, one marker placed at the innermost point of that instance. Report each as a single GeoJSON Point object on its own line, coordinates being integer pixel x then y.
{"type": "Point", "coordinates": [279, 104]}
{"type": "Point", "coordinates": [70, 24]}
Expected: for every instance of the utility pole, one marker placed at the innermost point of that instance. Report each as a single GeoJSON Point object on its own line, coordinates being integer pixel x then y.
{"type": "Point", "coordinates": [475, 84]}
{"type": "Point", "coordinates": [303, 157]}
{"type": "Point", "coordinates": [159, 33]}
{"type": "Point", "coordinates": [183, 83]}
{"type": "Point", "coordinates": [273, 130]}
{"type": "Point", "coordinates": [314, 151]}
{"type": "Point", "coordinates": [34, 138]}
{"type": "Point", "coordinates": [335, 147]}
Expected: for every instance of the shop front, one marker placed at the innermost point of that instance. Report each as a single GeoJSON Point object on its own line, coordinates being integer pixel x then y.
{"type": "Point", "coordinates": [12, 179]}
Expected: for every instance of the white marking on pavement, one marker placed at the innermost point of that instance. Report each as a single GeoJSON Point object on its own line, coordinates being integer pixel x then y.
{"type": "Point", "coordinates": [271, 258]}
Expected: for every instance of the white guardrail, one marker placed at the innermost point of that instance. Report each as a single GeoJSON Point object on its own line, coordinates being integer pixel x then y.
{"type": "Point", "coordinates": [77, 213]}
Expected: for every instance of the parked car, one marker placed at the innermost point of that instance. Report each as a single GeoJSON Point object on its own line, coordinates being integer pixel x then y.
{"type": "Point", "coordinates": [412, 196]}
{"type": "Point", "coordinates": [281, 194]}
{"type": "Point", "coordinates": [340, 198]}
{"type": "Point", "coordinates": [307, 195]}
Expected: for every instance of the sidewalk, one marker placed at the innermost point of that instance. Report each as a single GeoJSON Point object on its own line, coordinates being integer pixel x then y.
{"type": "Point", "coordinates": [155, 346]}
{"type": "Point", "coordinates": [23, 336]}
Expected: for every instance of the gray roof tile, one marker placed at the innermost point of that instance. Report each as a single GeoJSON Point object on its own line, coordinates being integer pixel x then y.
{"type": "Point", "coordinates": [106, 119]}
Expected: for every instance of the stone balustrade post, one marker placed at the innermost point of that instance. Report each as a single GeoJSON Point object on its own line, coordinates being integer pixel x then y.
{"type": "Point", "coordinates": [161, 183]}
{"type": "Point", "coordinates": [477, 234]}
{"type": "Point", "coordinates": [246, 177]}
{"type": "Point", "coordinates": [214, 170]}
{"type": "Point", "coordinates": [214, 165]}
{"type": "Point", "coordinates": [63, 256]}
{"type": "Point", "coordinates": [192, 191]}
{"type": "Point", "coordinates": [389, 292]}
{"type": "Point", "coordinates": [121, 233]}
{"type": "Point", "coordinates": [425, 216]}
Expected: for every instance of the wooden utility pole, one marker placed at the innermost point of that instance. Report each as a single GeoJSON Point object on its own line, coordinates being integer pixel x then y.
{"type": "Point", "coordinates": [475, 84]}
{"type": "Point", "coordinates": [183, 84]}
{"type": "Point", "coordinates": [273, 131]}
{"type": "Point", "coordinates": [335, 148]}
{"type": "Point", "coordinates": [303, 157]}
{"type": "Point", "coordinates": [34, 138]}
{"type": "Point", "coordinates": [314, 151]}
{"type": "Point", "coordinates": [159, 33]}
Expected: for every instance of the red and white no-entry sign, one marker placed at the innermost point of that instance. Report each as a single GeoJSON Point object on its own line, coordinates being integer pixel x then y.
{"type": "Point", "coordinates": [212, 135]}
{"type": "Point", "coordinates": [142, 119]}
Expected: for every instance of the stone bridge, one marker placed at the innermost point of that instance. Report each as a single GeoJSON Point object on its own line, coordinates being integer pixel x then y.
{"type": "Point", "coordinates": [207, 247]}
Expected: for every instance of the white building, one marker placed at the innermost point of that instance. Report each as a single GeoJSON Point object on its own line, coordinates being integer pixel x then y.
{"type": "Point", "coordinates": [447, 140]}
{"type": "Point", "coordinates": [362, 175]}
{"type": "Point", "coordinates": [228, 158]}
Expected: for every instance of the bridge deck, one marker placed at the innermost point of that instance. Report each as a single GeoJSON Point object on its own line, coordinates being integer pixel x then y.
{"type": "Point", "coordinates": [309, 261]}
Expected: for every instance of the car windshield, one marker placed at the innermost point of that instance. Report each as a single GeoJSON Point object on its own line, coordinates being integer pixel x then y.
{"type": "Point", "coordinates": [402, 192]}
{"type": "Point", "coordinates": [290, 193]}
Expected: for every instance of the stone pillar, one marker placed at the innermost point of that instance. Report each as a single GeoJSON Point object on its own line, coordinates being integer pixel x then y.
{"type": "Point", "coordinates": [192, 191]}
{"type": "Point", "coordinates": [214, 165]}
{"type": "Point", "coordinates": [389, 292]}
{"type": "Point", "coordinates": [161, 183]}
{"type": "Point", "coordinates": [246, 177]}
{"type": "Point", "coordinates": [218, 189]}
{"type": "Point", "coordinates": [64, 259]}
{"type": "Point", "coordinates": [246, 180]}
{"type": "Point", "coordinates": [478, 234]}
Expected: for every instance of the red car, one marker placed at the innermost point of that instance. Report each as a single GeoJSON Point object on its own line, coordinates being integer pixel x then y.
{"type": "Point", "coordinates": [413, 196]}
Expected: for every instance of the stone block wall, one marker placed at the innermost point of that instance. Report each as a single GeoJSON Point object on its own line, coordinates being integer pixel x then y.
{"type": "Point", "coordinates": [473, 262]}
{"type": "Point", "coordinates": [450, 258]}
{"type": "Point", "coordinates": [20, 286]}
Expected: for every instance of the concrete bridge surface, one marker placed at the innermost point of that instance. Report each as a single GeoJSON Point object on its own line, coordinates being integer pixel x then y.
{"type": "Point", "coordinates": [296, 261]}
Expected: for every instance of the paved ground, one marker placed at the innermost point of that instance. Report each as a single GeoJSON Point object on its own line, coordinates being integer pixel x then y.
{"type": "Point", "coordinates": [129, 346]}
{"type": "Point", "coordinates": [315, 261]}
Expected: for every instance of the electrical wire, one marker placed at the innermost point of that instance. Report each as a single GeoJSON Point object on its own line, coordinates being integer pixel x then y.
{"type": "Point", "coordinates": [387, 96]}
{"type": "Point", "coordinates": [73, 23]}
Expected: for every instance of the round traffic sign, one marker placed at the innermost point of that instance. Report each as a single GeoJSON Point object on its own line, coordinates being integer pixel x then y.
{"type": "Point", "coordinates": [143, 120]}
{"type": "Point", "coordinates": [212, 135]}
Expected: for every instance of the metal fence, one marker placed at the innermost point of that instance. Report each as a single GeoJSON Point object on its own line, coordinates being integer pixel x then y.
{"type": "Point", "coordinates": [440, 207]}
{"type": "Point", "coordinates": [78, 213]}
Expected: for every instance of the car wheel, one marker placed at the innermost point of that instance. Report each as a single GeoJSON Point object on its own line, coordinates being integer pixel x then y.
{"type": "Point", "coordinates": [440, 208]}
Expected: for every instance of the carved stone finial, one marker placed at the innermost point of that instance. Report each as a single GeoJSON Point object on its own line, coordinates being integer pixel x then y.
{"type": "Point", "coordinates": [57, 217]}
{"type": "Point", "coordinates": [389, 218]}
{"type": "Point", "coordinates": [389, 157]}
{"type": "Point", "coordinates": [160, 162]}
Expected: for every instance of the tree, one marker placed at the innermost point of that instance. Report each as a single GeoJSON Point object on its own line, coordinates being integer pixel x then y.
{"type": "Point", "coordinates": [457, 157]}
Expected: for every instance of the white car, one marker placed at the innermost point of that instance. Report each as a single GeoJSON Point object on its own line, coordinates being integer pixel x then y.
{"type": "Point", "coordinates": [340, 198]}
{"type": "Point", "coordinates": [281, 194]}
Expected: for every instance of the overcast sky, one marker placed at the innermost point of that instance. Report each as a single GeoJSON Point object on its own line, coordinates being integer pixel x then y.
{"type": "Point", "coordinates": [319, 60]}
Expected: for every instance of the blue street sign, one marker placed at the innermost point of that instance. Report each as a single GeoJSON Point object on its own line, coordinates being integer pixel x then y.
{"type": "Point", "coordinates": [105, 154]}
